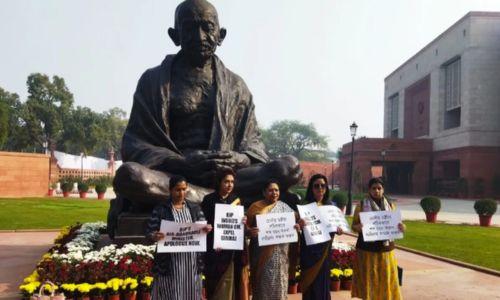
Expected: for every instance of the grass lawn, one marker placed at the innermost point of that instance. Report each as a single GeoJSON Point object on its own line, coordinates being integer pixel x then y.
{"type": "Point", "coordinates": [472, 244]}
{"type": "Point", "coordinates": [48, 213]}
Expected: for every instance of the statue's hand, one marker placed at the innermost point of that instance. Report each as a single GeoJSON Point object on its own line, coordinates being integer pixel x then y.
{"type": "Point", "coordinates": [229, 159]}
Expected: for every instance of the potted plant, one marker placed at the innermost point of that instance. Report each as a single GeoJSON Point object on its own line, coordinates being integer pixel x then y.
{"type": "Point", "coordinates": [145, 288]}
{"type": "Point", "coordinates": [83, 291]}
{"type": "Point", "coordinates": [431, 207]}
{"type": "Point", "coordinates": [28, 289]}
{"type": "Point", "coordinates": [114, 285]}
{"type": "Point", "coordinates": [83, 188]}
{"type": "Point", "coordinates": [340, 200]}
{"type": "Point", "coordinates": [98, 291]}
{"type": "Point", "coordinates": [346, 279]}
{"type": "Point", "coordinates": [69, 290]}
{"type": "Point", "coordinates": [485, 208]}
{"type": "Point", "coordinates": [100, 189]}
{"type": "Point", "coordinates": [52, 187]}
{"type": "Point", "coordinates": [129, 288]}
{"type": "Point", "coordinates": [66, 188]}
{"type": "Point", "coordinates": [335, 279]}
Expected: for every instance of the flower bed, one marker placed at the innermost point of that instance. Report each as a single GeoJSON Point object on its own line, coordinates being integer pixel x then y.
{"type": "Point", "coordinates": [78, 270]}
{"type": "Point", "coordinates": [342, 258]}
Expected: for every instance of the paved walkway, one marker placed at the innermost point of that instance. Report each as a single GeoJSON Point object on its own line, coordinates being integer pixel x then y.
{"type": "Point", "coordinates": [110, 194]}
{"type": "Point", "coordinates": [455, 211]}
{"type": "Point", "coordinates": [424, 278]}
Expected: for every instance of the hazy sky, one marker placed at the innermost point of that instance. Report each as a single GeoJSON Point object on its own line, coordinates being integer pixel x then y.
{"type": "Point", "coordinates": [321, 62]}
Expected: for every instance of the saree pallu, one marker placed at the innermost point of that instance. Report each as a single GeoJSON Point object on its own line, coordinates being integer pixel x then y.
{"type": "Point", "coordinates": [269, 264]}
{"type": "Point", "coordinates": [375, 276]}
{"type": "Point", "coordinates": [226, 271]}
{"type": "Point", "coordinates": [315, 266]}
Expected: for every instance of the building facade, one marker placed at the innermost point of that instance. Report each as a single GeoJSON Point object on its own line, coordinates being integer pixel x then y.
{"type": "Point", "coordinates": [447, 96]}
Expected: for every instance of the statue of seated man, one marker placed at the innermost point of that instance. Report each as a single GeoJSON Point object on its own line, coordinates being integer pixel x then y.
{"type": "Point", "coordinates": [192, 116]}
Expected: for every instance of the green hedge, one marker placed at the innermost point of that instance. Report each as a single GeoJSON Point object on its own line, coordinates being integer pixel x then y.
{"type": "Point", "coordinates": [431, 204]}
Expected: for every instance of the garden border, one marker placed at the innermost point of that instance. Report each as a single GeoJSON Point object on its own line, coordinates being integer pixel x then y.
{"type": "Point", "coordinates": [445, 259]}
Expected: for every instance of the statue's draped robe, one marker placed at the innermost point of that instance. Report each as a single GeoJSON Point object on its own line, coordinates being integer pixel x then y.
{"type": "Point", "coordinates": [147, 139]}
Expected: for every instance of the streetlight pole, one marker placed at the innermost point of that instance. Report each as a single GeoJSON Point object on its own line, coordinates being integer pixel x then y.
{"type": "Point", "coordinates": [81, 170]}
{"type": "Point", "coordinates": [383, 153]}
{"type": "Point", "coordinates": [353, 129]}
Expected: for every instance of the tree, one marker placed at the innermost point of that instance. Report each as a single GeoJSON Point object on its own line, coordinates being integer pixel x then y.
{"type": "Point", "coordinates": [297, 139]}
{"type": "Point", "coordinates": [113, 127]}
{"type": "Point", "coordinates": [4, 123]}
{"type": "Point", "coordinates": [17, 138]}
{"type": "Point", "coordinates": [82, 132]}
{"type": "Point", "coordinates": [49, 104]}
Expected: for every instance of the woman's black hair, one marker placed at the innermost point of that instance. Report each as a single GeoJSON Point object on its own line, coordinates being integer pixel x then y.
{"type": "Point", "coordinates": [174, 180]}
{"type": "Point", "coordinates": [309, 193]}
{"type": "Point", "coordinates": [376, 180]}
{"type": "Point", "coordinates": [220, 176]}
{"type": "Point", "coordinates": [269, 182]}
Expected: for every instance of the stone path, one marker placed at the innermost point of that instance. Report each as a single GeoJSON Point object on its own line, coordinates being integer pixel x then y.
{"type": "Point", "coordinates": [424, 278]}
{"type": "Point", "coordinates": [19, 254]}
{"type": "Point", "coordinates": [455, 211]}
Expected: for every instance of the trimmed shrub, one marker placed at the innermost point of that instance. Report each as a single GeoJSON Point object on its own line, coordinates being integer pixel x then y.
{"type": "Point", "coordinates": [485, 207]}
{"type": "Point", "coordinates": [100, 188]}
{"type": "Point", "coordinates": [83, 187]}
{"type": "Point", "coordinates": [340, 199]}
{"type": "Point", "coordinates": [431, 204]}
{"type": "Point", "coordinates": [66, 186]}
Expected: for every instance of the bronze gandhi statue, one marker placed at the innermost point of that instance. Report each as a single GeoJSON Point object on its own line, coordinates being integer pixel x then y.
{"type": "Point", "coordinates": [192, 116]}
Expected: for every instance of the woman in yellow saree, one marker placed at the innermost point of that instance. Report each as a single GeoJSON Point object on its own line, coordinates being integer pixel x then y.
{"type": "Point", "coordinates": [268, 264]}
{"type": "Point", "coordinates": [375, 268]}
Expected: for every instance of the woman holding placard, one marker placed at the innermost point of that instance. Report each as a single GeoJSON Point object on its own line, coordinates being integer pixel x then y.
{"type": "Point", "coordinates": [268, 264]}
{"type": "Point", "coordinates": [176, 275]}
{"type": "Point", "coordinates": [225, 272]}
{"type": "Point", "coordinates": [314, 259]}
{"type": "Point", "coordinates": [375, 273]}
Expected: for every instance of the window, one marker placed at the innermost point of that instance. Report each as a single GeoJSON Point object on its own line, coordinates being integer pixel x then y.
{"type": "Point", "coordinates": [452, 99]}
{"type": "Point", "coordinates": [393, 115]}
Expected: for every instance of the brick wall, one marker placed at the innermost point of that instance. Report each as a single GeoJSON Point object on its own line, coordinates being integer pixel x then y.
{"type": "Point", "coordinates": [23, 174]}
{"type": "Point", "coordinates": [311, 168]}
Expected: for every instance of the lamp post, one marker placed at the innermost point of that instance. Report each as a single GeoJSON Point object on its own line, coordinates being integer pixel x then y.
{"type": "Point", "coordinates": [81, 170]}
{"type": "Point", "coordinates": [383, 153]}
{"type": "Point", "coordinates": [353, 129]}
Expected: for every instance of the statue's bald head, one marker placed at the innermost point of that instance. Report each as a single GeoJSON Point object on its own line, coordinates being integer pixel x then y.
{"type": "Point", "coordinates": [194, 9]}
{"type": "Point", "coordinates": [197, 30]}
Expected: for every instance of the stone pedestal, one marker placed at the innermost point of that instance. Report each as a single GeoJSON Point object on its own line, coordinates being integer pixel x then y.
{"type": "Point", "coordinates": [131, 228]}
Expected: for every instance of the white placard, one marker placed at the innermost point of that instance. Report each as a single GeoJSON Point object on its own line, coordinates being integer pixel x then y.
{"type": "Point", "coordinates": [182, 237]}
{"type": "Point", "coordinates": [381, 225]}
{"type": "Point", "coordinates": [315, 231]}
{"type": "Point", "coordinates": [228, 227]}
{"type": "Point", "coordinates": [276, 228]}
{"type": "Point", "coordinates": [333, 218]}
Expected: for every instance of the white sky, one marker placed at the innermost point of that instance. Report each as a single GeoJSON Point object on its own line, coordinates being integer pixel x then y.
{"type": "Point", "coordinates": [321, 62]}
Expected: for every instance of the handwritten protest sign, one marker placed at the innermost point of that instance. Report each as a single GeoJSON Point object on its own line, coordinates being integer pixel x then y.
{"type": "Point", "coordinates": [182, 237]}
{"type": "Point", "coordinates": [381, 225]}
{"type": "Point", "coordinates": [276, 228]}
{"type": "Point", "coordinates": [228, 229]}
{"type": "Point", "coordinates": [315, 230]}
{"type": "Point", "coordinates": [333, 218]}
